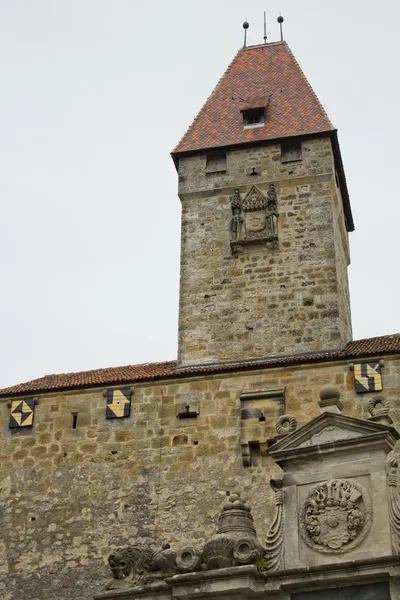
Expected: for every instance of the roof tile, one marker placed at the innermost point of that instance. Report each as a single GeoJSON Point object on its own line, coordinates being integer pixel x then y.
{"type": "Point", "coordinates": [266, 71]}
{"type": "Point", "coordinates": [389, 344]}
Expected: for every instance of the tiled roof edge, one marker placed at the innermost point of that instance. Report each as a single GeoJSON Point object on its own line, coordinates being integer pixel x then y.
{"type": "Point", "coordinates": [308, 83]}
{"type": "Point", "coordinates": [192, 124]}
{"type": "Point", "coordinates": [315, 357]}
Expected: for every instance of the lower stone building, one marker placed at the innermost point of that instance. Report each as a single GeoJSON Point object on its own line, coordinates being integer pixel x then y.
{"type": "Point", "coordinates": [263, 463]}
{"type": "Point", "coordinates": [78, 485]}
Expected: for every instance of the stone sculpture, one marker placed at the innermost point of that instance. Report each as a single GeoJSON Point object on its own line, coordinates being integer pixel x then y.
{"type": "Point", "coordinates": [272, 215]}
{"type": "Point", "coordinates": [394, 504]}
{"type": "Point", "coordinates": [237, 219]}
{"type": "Point", "coordinates": [254, 219]}
{"type": "Point", "coordinates": [136, 565]}
{"type": "Point", "coordinates": [235, 543]}
{"type": "Point", "coordinates": [336, 516]}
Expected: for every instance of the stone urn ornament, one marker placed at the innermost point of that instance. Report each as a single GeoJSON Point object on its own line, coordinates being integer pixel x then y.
{"type": "Point", "coordinates": [235, 542]}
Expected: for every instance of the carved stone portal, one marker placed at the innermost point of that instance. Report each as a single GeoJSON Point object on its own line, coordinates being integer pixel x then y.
{"type": "Point", "coordinates": [254, 219]}
{"type": "Point", "coordinates": [336, 516]}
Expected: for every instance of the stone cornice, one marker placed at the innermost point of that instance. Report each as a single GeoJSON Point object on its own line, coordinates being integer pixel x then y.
{"type": "Point", "coordinates": [248, 582]}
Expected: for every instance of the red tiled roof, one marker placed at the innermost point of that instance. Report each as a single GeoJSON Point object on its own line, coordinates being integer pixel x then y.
{"type": "Point", "coordinates": [378, 346]}
{"type": "Point", "coordinates": [268, 71]}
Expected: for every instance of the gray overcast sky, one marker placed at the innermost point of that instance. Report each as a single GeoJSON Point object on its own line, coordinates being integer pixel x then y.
{"type": "Point", "coordinates": [95, 94]}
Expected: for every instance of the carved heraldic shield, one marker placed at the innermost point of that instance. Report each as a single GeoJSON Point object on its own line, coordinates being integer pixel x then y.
{"type": "Point", "coordinates": [336, 516]}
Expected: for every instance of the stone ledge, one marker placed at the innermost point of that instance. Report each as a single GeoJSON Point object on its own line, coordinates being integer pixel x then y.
{"type": "Point", "coordinates": [246, 582]}
{"type": "Point", "coordinates": [362, 571]}
{"type": "Point", "coordinates": [158, 590]}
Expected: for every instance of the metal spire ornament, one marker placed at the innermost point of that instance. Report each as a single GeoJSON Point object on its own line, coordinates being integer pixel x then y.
{"type": "Point", "coordinates": [265, 27]}
{"type": "Point", "coordinates": [280, 21]}
{"type": "Point", "coordinates": [245, 27]}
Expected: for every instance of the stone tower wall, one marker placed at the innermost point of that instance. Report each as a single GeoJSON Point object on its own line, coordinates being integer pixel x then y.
{"type": "Point", "coordinates": [266, 300]}
{"type": "Point", "coordinates": [342, 252]}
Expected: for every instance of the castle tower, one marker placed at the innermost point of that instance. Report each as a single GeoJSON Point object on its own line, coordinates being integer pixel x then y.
{"type": "Point", "coordinates": [265, 218]}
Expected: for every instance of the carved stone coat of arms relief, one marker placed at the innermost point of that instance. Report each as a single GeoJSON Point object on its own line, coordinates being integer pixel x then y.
{"type": "Point", "coordinates": [336, 516]}
{"type": "Point", "coordinates": [255, 218]}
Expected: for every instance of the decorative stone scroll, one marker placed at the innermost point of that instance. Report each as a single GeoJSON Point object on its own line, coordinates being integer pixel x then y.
{"type": "Point", "coordinates": [394, 504]}
{"type": "Point", "coordinates": [274, 542]}
{"type": "Point", "coordinates": [336, 516]}
{"type": "Point", "coordinates": [286, 424]}
{"type": "Point", "coordinates": [378, 406]}
{"type": "Point", "coordinates": [255, 218]}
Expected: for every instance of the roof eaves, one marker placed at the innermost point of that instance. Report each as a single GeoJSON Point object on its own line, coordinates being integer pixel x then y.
{"type": "Point", "coordinates": [199, 114]}
{"type": "Point", "coordinates": [349, 353]}
{"type": "Point", "coordinates": [308, 84]}
{"type": "Point", "coordinates": [247, 144]}
{"type": "Point", "coordinates": [342, 180]}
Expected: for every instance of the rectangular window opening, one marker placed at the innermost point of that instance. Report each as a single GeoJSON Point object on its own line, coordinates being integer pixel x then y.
{"type": "Point", "coordinates": [254, 117]}
{"type": "Point", "coordinates": [74, 420]}
{"type": "Point", "coordinates": [216, 163]}
{"type": "Point", "coordinates": [291, 151]}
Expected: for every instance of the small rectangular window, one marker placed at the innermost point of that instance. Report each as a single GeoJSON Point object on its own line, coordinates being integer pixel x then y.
{"type": "Point", "coordinates": [254, 117]}
{"type": "Point", "coordinates": [216, 163]}
{"type": "Point", "coordinates": [290, 151]}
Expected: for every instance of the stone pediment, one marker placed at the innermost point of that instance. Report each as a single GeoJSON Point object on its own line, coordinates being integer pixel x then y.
{"type": "Point", "coordinates": [254, 200]}
{"type": "Point", "coordinates": [331, 433]}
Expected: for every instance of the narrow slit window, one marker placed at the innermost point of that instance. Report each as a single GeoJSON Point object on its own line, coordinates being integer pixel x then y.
{"type": "Point", "coordinates": [291, 151]}
{"type": "Point", "coordinates": [74, 420]}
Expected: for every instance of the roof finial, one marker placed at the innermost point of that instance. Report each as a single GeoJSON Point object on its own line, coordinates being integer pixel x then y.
{"type": "Point", "coordinates": [265, 27]}
{"type": "Point", "coordinates": [280, 21]}
{"type": "Point", "coordinates": [245, 27]}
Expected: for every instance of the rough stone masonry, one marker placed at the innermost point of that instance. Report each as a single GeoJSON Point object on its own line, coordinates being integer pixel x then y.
{"type": "Point", "coordinates": [285, 298]}
{"type": "Point", "coordinates": [76, 485]}
{"type": "Point", "coordinates": [71, 496]}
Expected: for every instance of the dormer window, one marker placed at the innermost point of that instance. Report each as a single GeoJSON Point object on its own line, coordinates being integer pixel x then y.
{"type": "Point", "coordinates": [253, 117]}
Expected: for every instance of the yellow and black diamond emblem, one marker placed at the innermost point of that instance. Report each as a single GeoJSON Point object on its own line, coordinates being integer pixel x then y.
{"type": "Point", "coordinates": [22, 413]}
{"type": "Point", "coordinates": [118, 404]}
{"type": "Point", "coordinates": [368, 377]}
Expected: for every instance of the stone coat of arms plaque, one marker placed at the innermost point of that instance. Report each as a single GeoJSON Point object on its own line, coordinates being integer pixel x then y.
{"type": "Point", "coordinates": [255, 218]}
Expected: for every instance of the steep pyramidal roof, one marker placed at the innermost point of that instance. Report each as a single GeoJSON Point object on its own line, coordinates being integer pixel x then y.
{"type": "Point", "coordinates": [263, 76]}
{"type": "Point", "coordinates": [266, 75]}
